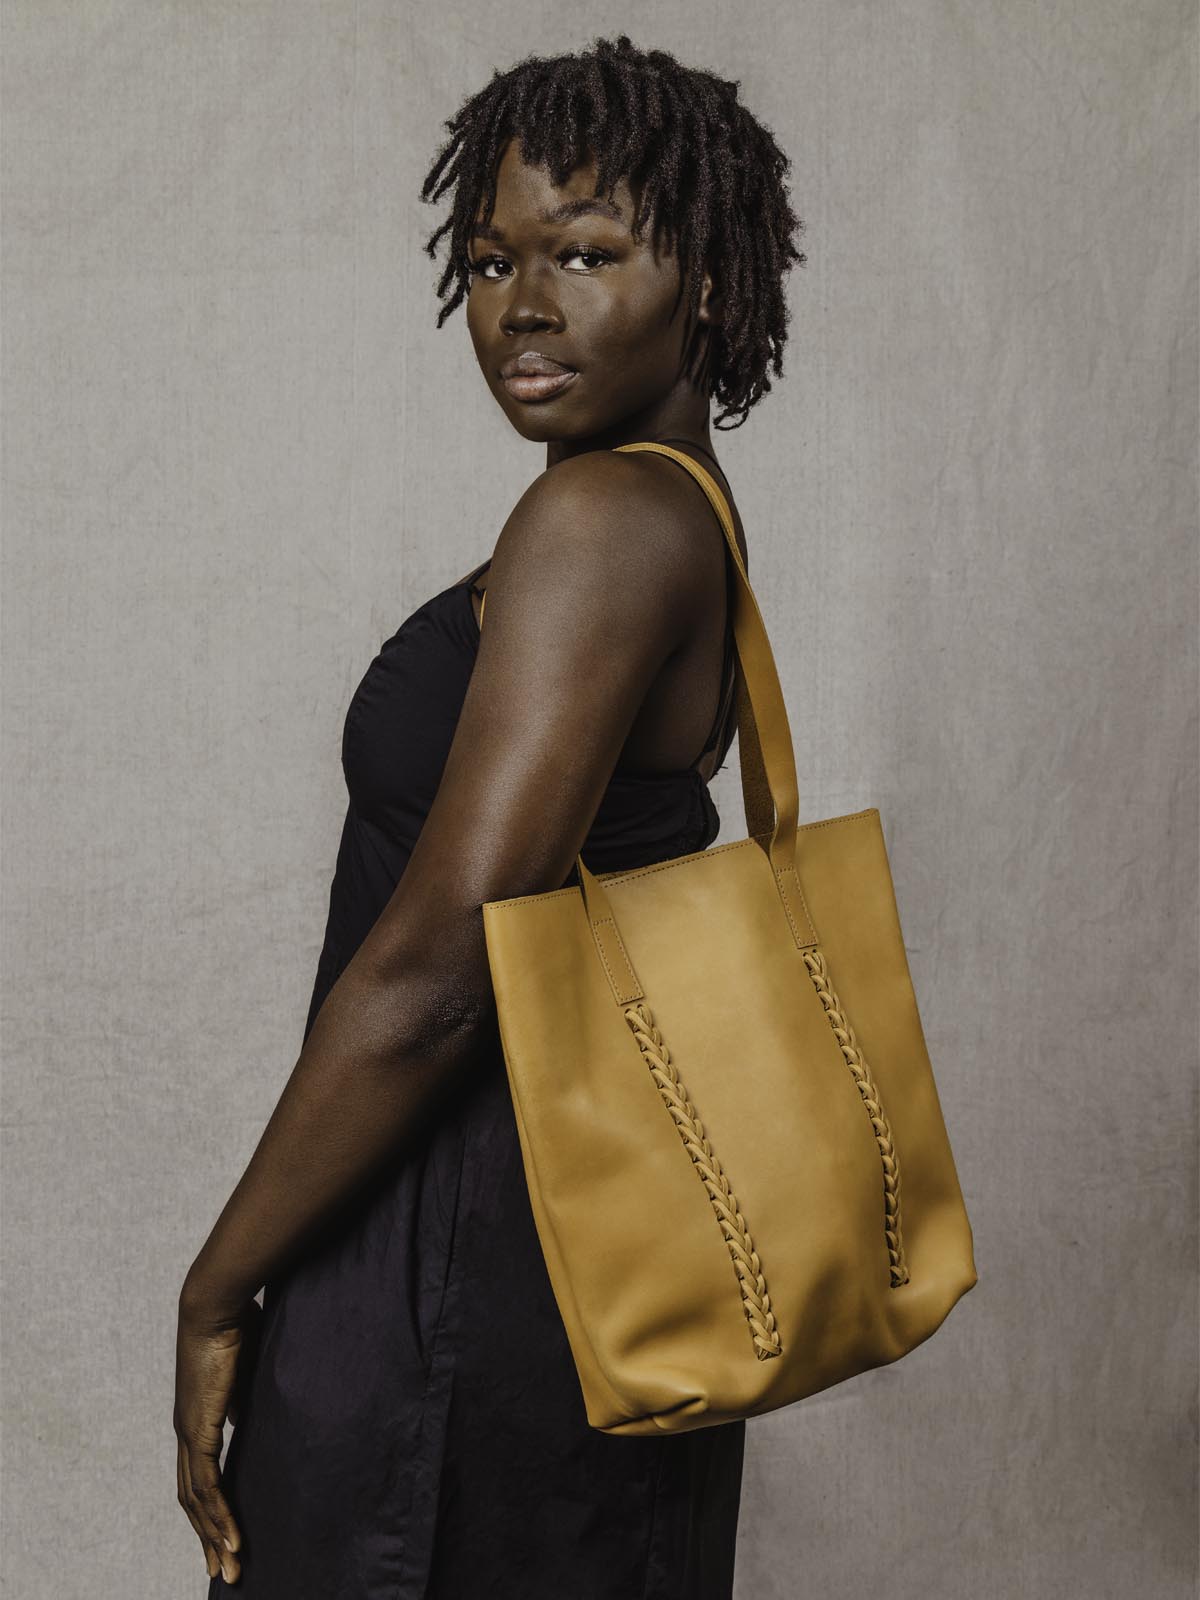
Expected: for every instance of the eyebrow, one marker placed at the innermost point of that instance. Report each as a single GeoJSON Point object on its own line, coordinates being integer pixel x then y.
{"type": "Point", "coordinates": [567, 212]}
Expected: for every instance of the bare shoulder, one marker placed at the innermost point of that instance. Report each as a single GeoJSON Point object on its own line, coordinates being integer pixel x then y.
{"type": "Point", "coordinates": [614, 473]}
{"type": "Point", "coordinates": [610, 517]}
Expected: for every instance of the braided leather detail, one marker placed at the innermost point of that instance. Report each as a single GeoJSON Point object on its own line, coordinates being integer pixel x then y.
{"type": "Point", "coordinates": [814, 960]}
{"type": "Point", "coordinates": [756, 1301]}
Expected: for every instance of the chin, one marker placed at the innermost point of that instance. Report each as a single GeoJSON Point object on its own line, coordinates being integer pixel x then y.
{"type": "Point", "coordinates": [544, 430]}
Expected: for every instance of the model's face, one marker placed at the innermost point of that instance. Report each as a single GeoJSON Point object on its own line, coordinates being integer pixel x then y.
{"type": "Point", "coordinates": [578, 289]}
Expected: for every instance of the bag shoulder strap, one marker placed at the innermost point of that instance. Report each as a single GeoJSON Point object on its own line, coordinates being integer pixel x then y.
{"type": "Point", "coordinates": [769, 792]}
{"type": "Point", "coordinates": [768, 766]}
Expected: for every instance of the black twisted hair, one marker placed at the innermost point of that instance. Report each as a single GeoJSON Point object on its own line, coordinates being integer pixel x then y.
{"type": "Point", "coordinates": [699, 165]}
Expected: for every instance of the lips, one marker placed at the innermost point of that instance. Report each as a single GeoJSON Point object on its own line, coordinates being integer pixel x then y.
{"type": "Point", "coordinates": [533, 363]}
{"type": "Point", "coordinates": [539, 387]}
{"type": "Point", "coordinates": [534, 376]}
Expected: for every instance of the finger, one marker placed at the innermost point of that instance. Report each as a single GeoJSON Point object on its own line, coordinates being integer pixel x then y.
{"type": "Point", "coordinates": [211, 1561]}
{"type": "Point", "coordinates": [216, 1523]}
{"type": "Point", "coordinates": [195, 1511]}
{"type": "Point", "coordinates": [206, 1486]}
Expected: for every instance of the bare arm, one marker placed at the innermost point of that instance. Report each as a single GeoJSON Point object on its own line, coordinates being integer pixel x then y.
{"type": "Point", "coordinates": [591, 588]}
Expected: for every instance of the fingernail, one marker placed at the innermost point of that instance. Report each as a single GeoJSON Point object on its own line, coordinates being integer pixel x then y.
{"type": "Point", "coordinates": [228, 1546]}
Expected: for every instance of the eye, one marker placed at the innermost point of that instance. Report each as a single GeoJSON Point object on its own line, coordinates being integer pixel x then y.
{"type": "Point", "coordinates": [477, 269]}
{"type": "Point", "coordinates": [581, 250]}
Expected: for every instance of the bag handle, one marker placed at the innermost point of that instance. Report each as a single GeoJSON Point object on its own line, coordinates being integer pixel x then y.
{"type": "Point", "coordinates": [770, 795]}
{"type": "Point", "coordinates": [768, 764]}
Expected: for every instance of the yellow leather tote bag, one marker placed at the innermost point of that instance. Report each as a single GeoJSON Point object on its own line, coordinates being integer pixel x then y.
{"type": "Point", "coordinates": [734, 1148]}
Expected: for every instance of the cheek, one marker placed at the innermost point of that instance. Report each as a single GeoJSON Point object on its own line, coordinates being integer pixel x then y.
{"type": "Point", "coordinates": [480, 337]}
{"type": "Point", "coordinates": [630, 337]}
{"type": "Point", "coordinates": [639, 361]}
{"type": "Point", "coordinates": [472, 317]}
{"type": "Point", "coordinates": [638, 326]}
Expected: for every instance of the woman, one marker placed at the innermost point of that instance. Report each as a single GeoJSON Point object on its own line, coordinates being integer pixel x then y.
{"type": "Point", "coordinates": [408, 1420]}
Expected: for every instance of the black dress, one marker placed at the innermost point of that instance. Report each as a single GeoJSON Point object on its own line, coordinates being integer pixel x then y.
{"type": "Point", "coordinates": [414, 1425]}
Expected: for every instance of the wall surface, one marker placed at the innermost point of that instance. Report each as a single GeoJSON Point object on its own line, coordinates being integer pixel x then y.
{"type": "Point", "coordinates": [237, 451]}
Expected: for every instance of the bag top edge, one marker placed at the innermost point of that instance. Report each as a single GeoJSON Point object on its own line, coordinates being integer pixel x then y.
{"type": "Point", "coordinates": [622, 875]}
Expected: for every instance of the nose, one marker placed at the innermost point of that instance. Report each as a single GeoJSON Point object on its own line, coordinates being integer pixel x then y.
{"type": "Point", "coordinates": [529, 307]}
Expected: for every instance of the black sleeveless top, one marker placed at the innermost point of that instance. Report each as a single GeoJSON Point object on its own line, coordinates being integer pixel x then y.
{"type": "Point", "coordinates": [414, 1425]}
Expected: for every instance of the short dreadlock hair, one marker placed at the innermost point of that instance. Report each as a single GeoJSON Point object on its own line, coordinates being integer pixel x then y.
{"type": "Point", "coordinates": [700, 166]}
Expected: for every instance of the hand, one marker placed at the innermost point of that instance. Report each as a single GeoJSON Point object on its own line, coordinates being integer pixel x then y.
{"type": "Point", "coordinates": [213, 1358]}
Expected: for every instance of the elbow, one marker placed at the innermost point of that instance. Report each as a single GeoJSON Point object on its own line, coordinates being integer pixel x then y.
{"type": "Point", "coordinates": [428, 1016]}
{"type": "Point", "coordinates": [459, 1011]}
{"type": "Point", "coordinates": [410, 1015]}
{"type": "Point", "coordinates": [428, 989]}
{"type": "Point", "coordinates": [428, 1011]}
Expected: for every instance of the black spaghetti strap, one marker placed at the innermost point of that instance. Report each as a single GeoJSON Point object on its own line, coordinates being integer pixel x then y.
{"type": "Point", "coordinates": [726, 705]}
{"type": "Point", "coordinates": [469, 581]}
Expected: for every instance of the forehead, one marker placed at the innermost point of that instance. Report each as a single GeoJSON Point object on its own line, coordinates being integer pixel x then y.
{"type": "Point", "coordinates": [527, 199]}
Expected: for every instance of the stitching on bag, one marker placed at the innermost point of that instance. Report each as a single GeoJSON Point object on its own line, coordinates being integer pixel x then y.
{"type": "Point", "coordinates": [832, 822]}
{"type": "Point", "coordinates": [783, 895]}
{"type": "Point", "coordinates": [633, 978]}
{"type": "Point", "coordinates": [665, 866]}
{"type": "Point", "coordinates": [619, 878]}
{"type": "Point", "coordinates": [756, 1299]}
{"type": "Point", "coordinates": [624, 877]}
{"type": "Point", "coordinates": [812, 930]}
{"type": "Point", "coordinates": [814, 960]}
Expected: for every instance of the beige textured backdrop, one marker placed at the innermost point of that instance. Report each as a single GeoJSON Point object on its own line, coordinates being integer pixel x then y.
{"type": "Point", "coordinates": [237, 452]}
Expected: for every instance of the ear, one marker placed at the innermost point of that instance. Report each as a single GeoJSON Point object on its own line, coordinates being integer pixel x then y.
{"type": "Point", "coordinates": [712, 306]}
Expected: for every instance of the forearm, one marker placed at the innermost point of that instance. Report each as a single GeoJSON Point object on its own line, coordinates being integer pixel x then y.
{"type": "Point", "coordinates": [379, 1057]}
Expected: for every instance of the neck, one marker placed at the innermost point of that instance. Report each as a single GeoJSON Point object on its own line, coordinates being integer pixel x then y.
{"type": "Point", "coordinates": [680, 418]}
